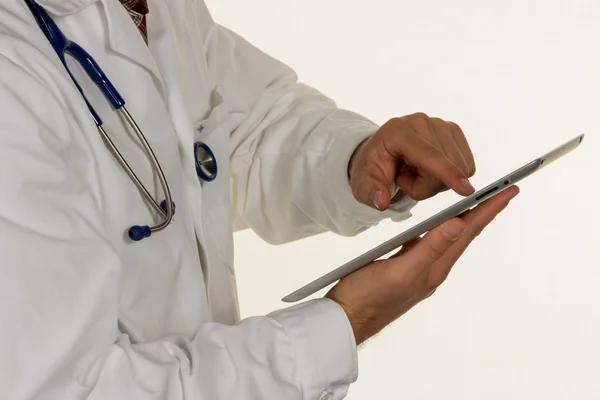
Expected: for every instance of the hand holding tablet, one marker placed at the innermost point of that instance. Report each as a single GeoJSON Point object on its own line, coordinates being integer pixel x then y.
{"type": "Point", "coordinates": [430, 223]}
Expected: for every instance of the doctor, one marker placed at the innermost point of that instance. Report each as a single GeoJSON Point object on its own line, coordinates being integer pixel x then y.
{"type": "Point", "coordinates": [87, 312]}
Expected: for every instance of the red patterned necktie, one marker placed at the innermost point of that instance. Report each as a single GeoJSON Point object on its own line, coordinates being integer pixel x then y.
{"type": "Point", "coordinates": [137, 10]}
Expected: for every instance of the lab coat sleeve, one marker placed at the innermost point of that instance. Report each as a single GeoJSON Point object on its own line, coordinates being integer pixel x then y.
{"type": "Point", "coordinates": [60, 289]}
{"type": "Point", "coordinates": [290, 147]}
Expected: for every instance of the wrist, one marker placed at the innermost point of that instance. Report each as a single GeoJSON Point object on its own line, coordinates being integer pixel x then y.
{"type": "Point", "coordinates": [362, 327]}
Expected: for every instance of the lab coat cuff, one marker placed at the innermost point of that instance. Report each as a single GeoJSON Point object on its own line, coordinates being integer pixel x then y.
{"type": "Point", "coordinates": [336, 166]}
{"type": "Point", "coordinates": [323, 345]}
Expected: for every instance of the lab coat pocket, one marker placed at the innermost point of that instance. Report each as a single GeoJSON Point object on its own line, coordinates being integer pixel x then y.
{"type": "Point", "coordinates": [214, 116]}
{"type": "Point", "coordinates": [216, 209]}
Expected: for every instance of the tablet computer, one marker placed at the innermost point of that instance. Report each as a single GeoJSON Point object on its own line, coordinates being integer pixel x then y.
{"type": "Point", "coordinates": [460, 207]}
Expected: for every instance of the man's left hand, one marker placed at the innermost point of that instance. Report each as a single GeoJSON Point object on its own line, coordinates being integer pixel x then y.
{"type": "Point", "coordinates": [419, 155]}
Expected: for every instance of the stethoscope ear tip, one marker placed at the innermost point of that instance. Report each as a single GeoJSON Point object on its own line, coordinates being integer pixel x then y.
{"type": "Point", "coordinates": [137, 233]}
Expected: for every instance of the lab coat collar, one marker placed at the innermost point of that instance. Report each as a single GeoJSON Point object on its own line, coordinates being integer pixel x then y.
{"type": "Point", "coordinates": [126, 40]}
{"type": "Point", "coordinates": [124, 37]}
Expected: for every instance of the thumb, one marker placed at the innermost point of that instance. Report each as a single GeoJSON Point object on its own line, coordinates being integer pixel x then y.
{"type": "Point", "coordinates": [373, 193]}
{"type": "Point", "coordinates": [372, 187]}
{"type": "Point", "coordinates": [435, 243]}
{"type": "Point", "coordinates": [372, 174]}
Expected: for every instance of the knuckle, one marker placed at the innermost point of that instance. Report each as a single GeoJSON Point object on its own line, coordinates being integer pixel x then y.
{"type": "Point", "coordinates": [465, 164]}
{"type": "Point", "coordinates": [395, 129]}
{"type": "Point", "coordinates": [433, 252]}
{"type": "Point", "coordinates": [475, 231]}
{"type": "Point", "coordinates": [478, 230]}
{"type": "Point", "coordinates": [473, 168]}
{"type": "Point", "coordinates": [395, 124]}
{"type": "Point", "coordinates": [420, 116]}
{"type": "Point", "coordinates": [434, 282]}
{"type": "Point", "coordinates": [454, 126]}
{"type": "Point", "coordinates": [438, 122]}
{"type": "Point", "coordinates": [396, 121]}
{"type": "Point", "coordinates": [472, 171]}
{"type": "Point", "coordinates": [372, 167]}
{"type": "Point", "coordinates": [437, 277]}
{"type": "Point", "coordinates": [420, 120]}
{"type": "Point", "coordinates": [431, 284]}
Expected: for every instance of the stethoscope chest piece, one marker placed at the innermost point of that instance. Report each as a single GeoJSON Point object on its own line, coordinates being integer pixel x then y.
{"type": "Point", "coordinates": [206, 163]}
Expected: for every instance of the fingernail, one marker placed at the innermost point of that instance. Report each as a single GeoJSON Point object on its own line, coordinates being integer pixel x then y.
{"type": "Point", "coordinates": [467, 185]}
{"type": "Point", "coordinates": [375, 198]}
{"type": "Point", "coordinates": [453, 230]}
{"type": "Point", "coordinates": [393, 190]}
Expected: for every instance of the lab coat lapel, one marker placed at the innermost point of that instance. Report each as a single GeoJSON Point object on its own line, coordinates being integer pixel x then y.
{"type": "Point", "coordinates": [64, 7]}
{"type": "Point", "coordinates": [125, 40]}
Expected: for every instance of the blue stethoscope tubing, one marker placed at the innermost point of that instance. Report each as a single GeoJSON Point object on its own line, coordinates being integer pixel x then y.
{"type": "Point", "coordinates": [206, 169]}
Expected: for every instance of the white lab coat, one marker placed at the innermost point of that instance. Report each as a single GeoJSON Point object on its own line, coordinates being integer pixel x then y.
{"type": "Point", "coordinates": [85, 312]}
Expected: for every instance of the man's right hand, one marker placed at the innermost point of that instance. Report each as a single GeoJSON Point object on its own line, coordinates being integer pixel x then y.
{"type": "Point", "coordinates": [376, 295]}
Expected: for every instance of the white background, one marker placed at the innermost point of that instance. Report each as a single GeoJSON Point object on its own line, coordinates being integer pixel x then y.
{"type": "Point", "coordinates": [519, 317]}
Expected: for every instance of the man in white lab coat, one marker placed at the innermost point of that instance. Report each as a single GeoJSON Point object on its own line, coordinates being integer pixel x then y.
{"type": "Point", "coordinates": [87, 313]}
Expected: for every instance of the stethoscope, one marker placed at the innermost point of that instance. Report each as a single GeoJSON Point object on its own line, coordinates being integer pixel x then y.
{"type": "Point", "coordinates": [206, 164]}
